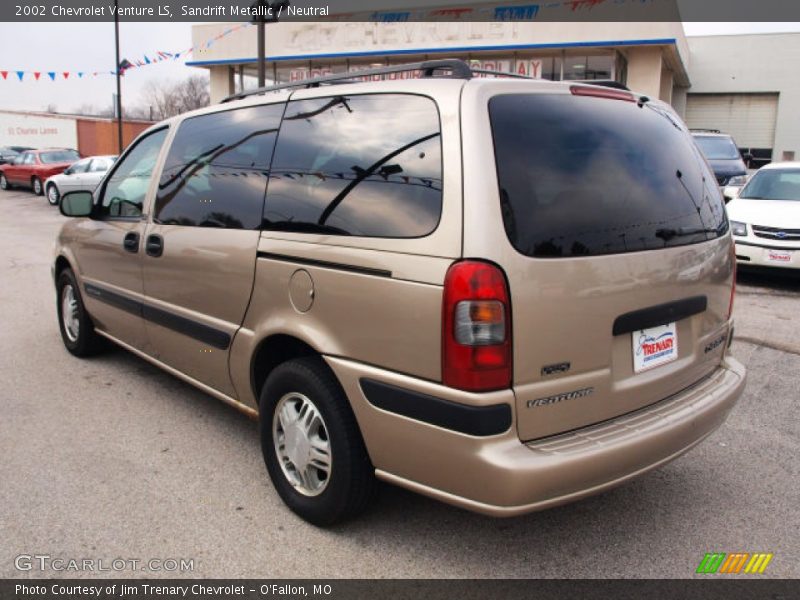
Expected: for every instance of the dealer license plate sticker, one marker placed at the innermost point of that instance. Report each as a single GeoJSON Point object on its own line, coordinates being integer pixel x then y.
{"type": "Point", "coordinates": [654, 346]}
{"type": "Point", "coordinates": [779, 256]}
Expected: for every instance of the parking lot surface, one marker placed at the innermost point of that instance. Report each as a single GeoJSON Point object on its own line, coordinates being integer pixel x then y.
{"type": "Point", "coordinates": [112, 458]}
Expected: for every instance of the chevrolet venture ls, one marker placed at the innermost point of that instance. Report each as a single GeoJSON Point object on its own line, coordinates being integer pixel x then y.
{"type": "Point", "coordinates": [505, 294]}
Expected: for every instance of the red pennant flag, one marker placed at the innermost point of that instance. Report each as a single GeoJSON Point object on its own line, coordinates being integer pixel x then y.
{"type": "Point", "coordinates": [66, 74]}
{"type": "Point", "coordinates": [4, 74]}
{"type": "Point", "coordinates": [36, 75]}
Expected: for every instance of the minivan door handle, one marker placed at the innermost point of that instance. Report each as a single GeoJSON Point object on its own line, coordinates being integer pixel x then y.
{"type": "Point", "coordinates": [154, 245]}
{"type": "Point", "coordinates": [131, 242]}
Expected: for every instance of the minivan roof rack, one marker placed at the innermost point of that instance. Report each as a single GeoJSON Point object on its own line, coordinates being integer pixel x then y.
{"type": "Point", "coordinates": [458, 70]}
{"type": "Point", "coordinates": [702, 130]}
{"type": "Point", "coordinates": [499, 73]}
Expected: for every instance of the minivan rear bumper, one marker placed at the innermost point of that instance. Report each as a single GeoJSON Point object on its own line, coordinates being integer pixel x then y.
{"type": "Point", "coordinates": [499, 475]}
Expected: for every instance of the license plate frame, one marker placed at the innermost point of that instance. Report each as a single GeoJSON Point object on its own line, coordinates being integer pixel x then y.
{"type": "Point", "coordinates": [654, 346]}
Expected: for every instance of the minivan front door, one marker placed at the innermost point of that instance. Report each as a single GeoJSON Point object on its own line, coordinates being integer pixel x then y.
{"type": "Point", "coordinates": [200, 248]}
{"type": "Point", "coordinates": [110, 250]}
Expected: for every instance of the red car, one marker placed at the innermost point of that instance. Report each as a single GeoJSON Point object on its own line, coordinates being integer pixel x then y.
{"type": "Point", "coordinates": [31, 168]}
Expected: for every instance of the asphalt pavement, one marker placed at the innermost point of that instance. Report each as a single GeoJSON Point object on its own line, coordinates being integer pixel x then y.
{"type": "Point", "coordinates": [111, 458]}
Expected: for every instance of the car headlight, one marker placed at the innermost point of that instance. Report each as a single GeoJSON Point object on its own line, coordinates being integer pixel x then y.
{"type": "Point", "coordinates": [738, 228]}
{"type": "Point", "coordinates": [738, 180]}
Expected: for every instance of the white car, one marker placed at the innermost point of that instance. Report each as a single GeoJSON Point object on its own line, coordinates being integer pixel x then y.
{"type": "Point", "coordinates": [765, 217]}
{"type": "Point", "coordinates": [82, 175]}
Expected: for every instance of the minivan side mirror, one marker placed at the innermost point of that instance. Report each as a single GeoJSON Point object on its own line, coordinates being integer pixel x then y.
{"type": "Point", "coordinates": [76, 204]}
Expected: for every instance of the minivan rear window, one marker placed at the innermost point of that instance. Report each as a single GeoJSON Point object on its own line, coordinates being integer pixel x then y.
{"type": "Point", "coordinates": [584, 176]}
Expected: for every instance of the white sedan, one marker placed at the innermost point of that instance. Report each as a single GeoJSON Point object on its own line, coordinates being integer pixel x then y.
{"type": "Point", "coordinates": [82, 175]}
{"type": "Point", "coordinates": [765, 217]}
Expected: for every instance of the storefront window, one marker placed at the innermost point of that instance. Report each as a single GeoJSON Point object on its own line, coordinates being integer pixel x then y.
{"type": "Point", "coordinates": [582, 67]}
{"type": "Point", "coordinates": [575, 67]}
{"type": "Point", "coordinates": [599, 67]}
{"type": "Point", "coordinates": [563, 65]}
{"type": "Point", "coordinates": [554, 71]}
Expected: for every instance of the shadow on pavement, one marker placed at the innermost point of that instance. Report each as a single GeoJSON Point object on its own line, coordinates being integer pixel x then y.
{"type": "Point", "coordinates": [787, 280]}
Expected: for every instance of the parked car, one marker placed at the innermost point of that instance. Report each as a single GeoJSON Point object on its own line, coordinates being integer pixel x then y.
{"type": "Point", "coordinates": [7, 155]}
{"type": "Point", "coordinates": [487, 315]}
{"type": "Point", "coordinates": [765, 218]}
{"type": "Point", "coordinates": [82, 175]}
{"type": "Point", "coordinates": [724, 157]}
{"type": "Point", "coordinates": [31, 168]}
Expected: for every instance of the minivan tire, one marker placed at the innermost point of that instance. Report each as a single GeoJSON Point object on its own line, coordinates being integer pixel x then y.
{"type": "Point", "coordinates": [350, 484]}
{"type": "Point", "coordinates": [81, 341]}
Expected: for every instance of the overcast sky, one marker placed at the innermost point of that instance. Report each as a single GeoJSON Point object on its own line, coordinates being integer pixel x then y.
{"type": "Point", "coordinates": [90, 47]}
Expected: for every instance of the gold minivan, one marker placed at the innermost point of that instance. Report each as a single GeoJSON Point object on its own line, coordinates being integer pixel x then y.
{"type": "Point", "coordinates": [503, 293]}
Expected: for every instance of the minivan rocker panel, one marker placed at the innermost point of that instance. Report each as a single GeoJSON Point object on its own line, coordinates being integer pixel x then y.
{"type": "Point", "coordinates": [461, 286]}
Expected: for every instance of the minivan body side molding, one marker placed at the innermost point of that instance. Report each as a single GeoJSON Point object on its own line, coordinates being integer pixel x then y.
{"type": "Point", "coordinates": [113, 299]}
{"type": "Point", "coordinates": [473, 420]}
{"type": "Point", "coordinates": [661, 314]}
{"type": "Point", "coordinates": [199, 331]}
{"type": "Point", "coordinates": [325, 264]}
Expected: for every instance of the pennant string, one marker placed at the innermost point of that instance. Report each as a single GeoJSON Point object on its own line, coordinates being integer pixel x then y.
{"type": "Point", "coordinates": [125, 64]}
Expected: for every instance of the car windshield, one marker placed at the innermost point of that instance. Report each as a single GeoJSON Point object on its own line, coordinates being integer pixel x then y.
{"type": "Point", "coordinates": [59, 156]}
{"type": "Point", "coordinates": [773, 184]}
{"type": "Point", "coordinates": [717, 148]}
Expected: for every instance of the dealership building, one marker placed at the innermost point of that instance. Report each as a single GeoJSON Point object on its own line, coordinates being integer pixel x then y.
{"type": "Point", "coordinates": [88, 135]}
{"type": "Point", "coordinates": [731, 83]}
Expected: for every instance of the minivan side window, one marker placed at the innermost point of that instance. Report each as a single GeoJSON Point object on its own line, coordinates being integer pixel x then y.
{"type": "Point", "coordinates": [362, 165]}
{"type": "Point", "coordinates": [217, 168]}
{"type": "Point", "coordinates": [124, 193]}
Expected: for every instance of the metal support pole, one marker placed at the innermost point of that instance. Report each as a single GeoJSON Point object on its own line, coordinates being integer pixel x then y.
{"type": "Point", "coordinates": [119, 82]}
{"type": "Point", "coordinates": [262, 52]}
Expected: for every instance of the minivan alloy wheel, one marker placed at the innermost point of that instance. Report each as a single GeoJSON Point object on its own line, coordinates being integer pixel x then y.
{"type": "Point", "coordinates": [302, 444]}
{"type": "Point", "coordinates": [69, 313]}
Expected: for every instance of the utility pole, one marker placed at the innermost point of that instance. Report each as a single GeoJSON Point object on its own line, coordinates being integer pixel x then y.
{"type": "Point", "coordinates": [261, 19]}
{"type": "Point", "coordinates": [119, 82]}
{"type": "Point", "coordinates": [261, 25]}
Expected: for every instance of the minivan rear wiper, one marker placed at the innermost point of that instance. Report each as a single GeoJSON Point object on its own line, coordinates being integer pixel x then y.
{"type": "Point", "coordinates": [668, 233]}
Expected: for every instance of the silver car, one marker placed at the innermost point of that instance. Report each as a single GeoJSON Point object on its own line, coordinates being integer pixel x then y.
{"type": "Point", "coordinates": [83, 175]}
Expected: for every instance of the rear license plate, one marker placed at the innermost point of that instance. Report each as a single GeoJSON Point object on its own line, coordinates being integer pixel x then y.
{"type": "Point", "coordinates": [654, 346]}
{"type": "Point", "coordinates": [779, 256]}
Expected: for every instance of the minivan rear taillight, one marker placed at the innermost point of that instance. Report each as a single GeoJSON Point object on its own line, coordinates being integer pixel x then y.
{"type": "Point", "coordinates": [476, 322]}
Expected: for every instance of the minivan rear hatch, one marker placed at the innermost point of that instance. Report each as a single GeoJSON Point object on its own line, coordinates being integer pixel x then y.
{"type": "Point", "coordinates": [621, 270]}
